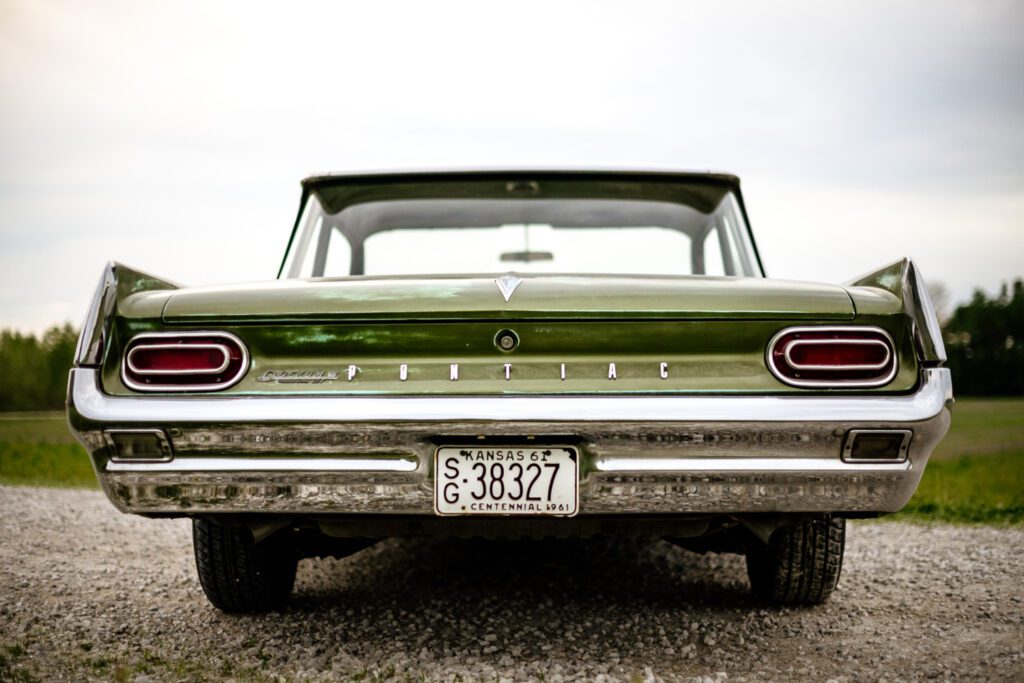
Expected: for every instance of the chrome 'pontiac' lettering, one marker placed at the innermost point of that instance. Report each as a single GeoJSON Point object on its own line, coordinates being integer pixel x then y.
{"type": "Point", "coordinates": [352, 373]}
{"type": "Point", "coordinates": [298, 376]}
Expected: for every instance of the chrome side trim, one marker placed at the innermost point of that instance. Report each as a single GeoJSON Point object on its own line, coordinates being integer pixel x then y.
{"type": "Point", "coordinates": [828, 342]}
{"type": "Point", "coordinates": [149, 347]}
{"type": "Point", "coordinates": [903, 280]}
{"type": "Point", "coordinates": [91, 403]}
{"type": "Point", "coordinates": [92, 341]}
{"type": "Point", "coordinates": [186, 465]}
{"type": "Point", "coordinates": [711, 465]}
{"type": "Point", "coordinates": [922, 309]}
{"type": "Point", "coordinates": [167, 388]}
{"type": "Point", "coordinates": [835, 384]}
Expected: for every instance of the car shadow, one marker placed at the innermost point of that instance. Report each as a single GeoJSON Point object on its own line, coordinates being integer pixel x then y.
{"type": "Point", "coordinates": [522, 575]}
{"type": "Point", "coordinates": [489, 603]}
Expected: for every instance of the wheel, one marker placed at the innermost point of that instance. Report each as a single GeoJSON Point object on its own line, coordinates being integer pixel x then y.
{"type": "Point", "coordinates": [238, 574]}
{"type": "Point", "coordinates": [801, 565]}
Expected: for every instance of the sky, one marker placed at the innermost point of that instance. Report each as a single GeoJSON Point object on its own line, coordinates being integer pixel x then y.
{"type": "Point", "coordinates": [172, 136]}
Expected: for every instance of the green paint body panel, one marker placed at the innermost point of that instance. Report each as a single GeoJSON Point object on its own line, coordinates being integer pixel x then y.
{"type": "Point", "coordinates": [703, 356]}
{"type": "Point", "coordinates": [556, 297]}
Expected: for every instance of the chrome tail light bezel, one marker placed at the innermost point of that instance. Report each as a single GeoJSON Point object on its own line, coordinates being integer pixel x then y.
{"type": "Point", "coordinates": [881, 337]}
{"type": "Point", "coordinates": [165, 340]}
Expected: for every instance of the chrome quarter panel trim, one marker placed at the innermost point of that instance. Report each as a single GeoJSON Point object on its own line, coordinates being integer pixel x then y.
{"type": "Point", "coordinates": [93, 405]}
{"type": "Point", "coordinates": [922, 309]}
{"type": "Point", "coordinates": [92, 341]}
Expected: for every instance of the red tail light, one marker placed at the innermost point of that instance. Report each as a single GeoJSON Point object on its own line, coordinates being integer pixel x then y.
{"type": "Point", "coordinates": [832, 357]}
{"type": "Point", "coordinates": [184, 361]}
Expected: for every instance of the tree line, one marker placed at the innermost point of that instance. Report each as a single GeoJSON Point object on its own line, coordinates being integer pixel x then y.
{"type": "Point", "coordinates": [34, 370]}
{"type": "Point", "coordinates": [984, 342]}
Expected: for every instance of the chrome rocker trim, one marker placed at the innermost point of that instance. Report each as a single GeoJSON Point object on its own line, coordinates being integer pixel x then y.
{"type": "Point", "coordinates": [641, 454]}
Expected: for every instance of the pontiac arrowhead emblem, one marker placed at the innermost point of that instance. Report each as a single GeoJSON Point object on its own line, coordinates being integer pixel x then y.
{"type": "Point", "coordinates": [507, 284]}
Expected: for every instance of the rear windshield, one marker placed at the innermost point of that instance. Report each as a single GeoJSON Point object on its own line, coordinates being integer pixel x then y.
{"type": "Point", "coordinates": [446, 235]}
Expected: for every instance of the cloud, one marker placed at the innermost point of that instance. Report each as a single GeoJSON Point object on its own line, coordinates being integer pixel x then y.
{"type": "Point", "coordinates": [172, 136]}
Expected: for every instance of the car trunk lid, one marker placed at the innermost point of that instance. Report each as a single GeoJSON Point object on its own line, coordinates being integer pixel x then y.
{"type": "Point", "coordinates": [529, 297]}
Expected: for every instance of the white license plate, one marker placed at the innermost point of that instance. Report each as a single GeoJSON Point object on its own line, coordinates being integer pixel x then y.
{"type": "Point", "coordinates": [506, 480]}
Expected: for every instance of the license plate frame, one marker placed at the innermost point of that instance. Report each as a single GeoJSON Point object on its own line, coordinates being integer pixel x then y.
{"type": "Point", "coordinates": [547, 480]}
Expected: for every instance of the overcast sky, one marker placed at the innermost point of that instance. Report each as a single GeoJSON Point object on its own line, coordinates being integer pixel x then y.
{"type": "Point", "coordinates": [171, 136]}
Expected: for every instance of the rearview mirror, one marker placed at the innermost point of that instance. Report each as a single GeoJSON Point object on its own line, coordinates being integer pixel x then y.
{"type": "Point", "coordinates": [527, 256]}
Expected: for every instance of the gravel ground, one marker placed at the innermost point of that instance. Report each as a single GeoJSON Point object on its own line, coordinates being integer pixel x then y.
{"type": "Point", "coordinates": [89, 593]}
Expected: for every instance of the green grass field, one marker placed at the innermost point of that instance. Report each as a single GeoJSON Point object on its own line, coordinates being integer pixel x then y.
{"type": "Point", "coordinates": [975, 475]}
{"type": "Point", "coordinates": [36, 449]}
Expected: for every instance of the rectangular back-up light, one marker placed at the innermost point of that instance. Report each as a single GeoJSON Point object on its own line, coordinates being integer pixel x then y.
{"type": "Point", "coordinates": [138, 445]}
{"type": "Point", "coordinates": [877, 445]}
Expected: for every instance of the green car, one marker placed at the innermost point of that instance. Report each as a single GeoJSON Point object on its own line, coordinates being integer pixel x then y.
{"type": "Point", "coordinates": [514, 354]}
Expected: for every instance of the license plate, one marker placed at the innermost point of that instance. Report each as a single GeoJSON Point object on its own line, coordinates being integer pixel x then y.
{"type": "Point", "coordinates": [506, 480]}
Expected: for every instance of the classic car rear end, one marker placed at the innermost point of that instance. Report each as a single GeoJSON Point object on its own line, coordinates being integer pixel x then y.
{"type": "Point", "coordinates": [637, 375]}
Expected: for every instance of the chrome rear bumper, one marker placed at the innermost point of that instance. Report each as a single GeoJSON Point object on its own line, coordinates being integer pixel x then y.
{"type": "Point", "coordinates": [641, 454]}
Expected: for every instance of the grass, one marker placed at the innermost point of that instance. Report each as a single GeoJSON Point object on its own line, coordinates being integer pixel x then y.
{"type": "Point", "coordinates": [979, 488]}
{"type": "Point", "coordinates": [983, 426]}
{"type": "Point", "coordinates": [36, 449]}
{"type": "Point", "coordinates": [11, 665]}
{"type": "Point", "coordinates": [975, 475]}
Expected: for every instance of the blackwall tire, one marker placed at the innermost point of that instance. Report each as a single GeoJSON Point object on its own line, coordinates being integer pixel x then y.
{"type": "Point", "coordinates": [801, 565]}
{"type": "Point", "coordinates": [239, 575]}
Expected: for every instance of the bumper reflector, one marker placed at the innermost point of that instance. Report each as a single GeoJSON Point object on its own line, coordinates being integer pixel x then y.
{"type": "Point", "coordinates": [877, 445]}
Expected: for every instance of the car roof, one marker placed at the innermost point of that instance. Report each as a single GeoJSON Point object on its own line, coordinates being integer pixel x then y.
{"type": "Point", "coordinates": [404, 176]}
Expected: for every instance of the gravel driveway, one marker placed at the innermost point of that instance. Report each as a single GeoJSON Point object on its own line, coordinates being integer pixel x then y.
{"type": "Point", "coordinates": [89, 593]}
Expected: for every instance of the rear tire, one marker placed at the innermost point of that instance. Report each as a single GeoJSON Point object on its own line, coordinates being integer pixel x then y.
{"type": "Point", "coordinates": [801, 565]}
{"type": "Point", "coordinates": [239, 575]}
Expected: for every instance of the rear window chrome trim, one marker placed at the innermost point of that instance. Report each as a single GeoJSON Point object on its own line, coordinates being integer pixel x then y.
{"type": "Point", "coordinates": [831, 383]}
{"type": "Point", "coordinates": [163, 337]}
